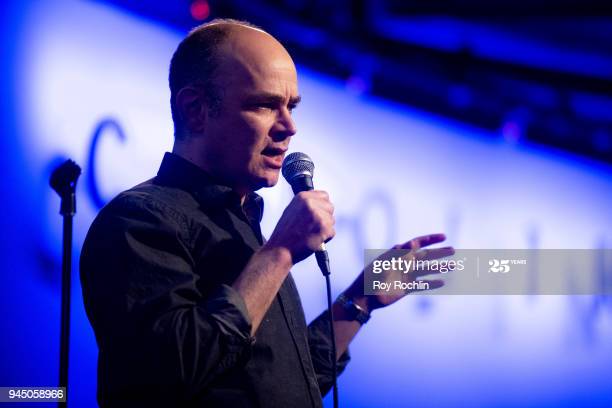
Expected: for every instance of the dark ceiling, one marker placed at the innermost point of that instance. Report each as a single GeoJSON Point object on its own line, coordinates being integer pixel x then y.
{"type": "Point", "coordinates": [543, 67]}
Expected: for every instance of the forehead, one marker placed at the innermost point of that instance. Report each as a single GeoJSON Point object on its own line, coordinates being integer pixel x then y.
{"type": "Point", "coordinates": [250, 58]}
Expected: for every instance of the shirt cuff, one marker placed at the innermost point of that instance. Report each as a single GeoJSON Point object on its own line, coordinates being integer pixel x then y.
{"type": "Point", "coordinates": [226, 306]}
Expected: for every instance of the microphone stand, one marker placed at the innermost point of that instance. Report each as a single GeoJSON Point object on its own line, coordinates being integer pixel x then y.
{"type": "Point", "coordinates": [63, 181]}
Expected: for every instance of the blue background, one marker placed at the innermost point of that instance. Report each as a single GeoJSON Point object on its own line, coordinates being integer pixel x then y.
{"type": "Point", "coordinates": [72, 70]}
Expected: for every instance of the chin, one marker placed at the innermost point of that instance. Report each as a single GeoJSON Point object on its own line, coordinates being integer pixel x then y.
{"type": "Point", "coordinates": [266, 180]}
{"type": "Point", "coordinates": [271, 182]}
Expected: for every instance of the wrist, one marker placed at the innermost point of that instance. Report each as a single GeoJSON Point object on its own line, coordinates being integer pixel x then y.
{"type": "Point", "coordinates": [278, 254]}
{"type": "Point", "coordinates": [359, 299]}
{"type": "Point", "coordinates": [353, 308]}
{"type": "Point", "coordinates": [363, 302]}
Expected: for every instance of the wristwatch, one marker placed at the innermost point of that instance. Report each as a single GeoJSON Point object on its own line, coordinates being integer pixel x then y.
{"type": "Point", "coordinates": [354, 311]}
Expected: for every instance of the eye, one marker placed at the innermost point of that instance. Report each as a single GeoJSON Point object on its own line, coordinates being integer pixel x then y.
{"type": "Point", "coordinates": [265, 106]}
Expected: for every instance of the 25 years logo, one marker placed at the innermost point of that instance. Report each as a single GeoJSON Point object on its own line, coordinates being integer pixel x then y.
{"type": "Point", "coordinates": [503, 265]}
{"type": "Point", "coordinates": [499, 265]}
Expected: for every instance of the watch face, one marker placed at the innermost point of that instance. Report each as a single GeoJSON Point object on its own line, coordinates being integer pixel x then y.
{"type": "Point", "coordinates": [352, 310]}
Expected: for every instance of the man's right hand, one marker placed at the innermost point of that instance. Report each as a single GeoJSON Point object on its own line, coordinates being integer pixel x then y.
{"type": "Point", "coordinates": [307, 222]}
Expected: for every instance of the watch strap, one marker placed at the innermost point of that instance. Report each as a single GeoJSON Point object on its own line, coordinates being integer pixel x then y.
{"type": "Point", "coordinates": [355, 311]}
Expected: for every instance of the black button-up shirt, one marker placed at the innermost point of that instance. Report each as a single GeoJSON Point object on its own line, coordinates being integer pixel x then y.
{"type": "Point", "coordinates": [156, 270]}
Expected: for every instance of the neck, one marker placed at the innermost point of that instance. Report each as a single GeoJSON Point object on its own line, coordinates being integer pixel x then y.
{"type": "Point", "coordinates": [186, 153]}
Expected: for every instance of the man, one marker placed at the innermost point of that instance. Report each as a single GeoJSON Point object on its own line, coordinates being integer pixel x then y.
{"type": "Point", "coordinates": [189, 305]}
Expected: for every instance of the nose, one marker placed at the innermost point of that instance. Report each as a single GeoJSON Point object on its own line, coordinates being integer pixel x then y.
{"type": "Point", "coordinates": [284, 126]}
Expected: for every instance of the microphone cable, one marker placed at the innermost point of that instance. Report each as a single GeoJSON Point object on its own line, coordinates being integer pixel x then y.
{"type": "Point", "coordinates": [323, 262]}
{"type": "Point", "coordinates": [298, 169]}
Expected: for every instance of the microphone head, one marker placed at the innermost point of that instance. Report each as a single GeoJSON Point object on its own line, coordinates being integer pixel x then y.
{"type": "Point", "coordinates": [297, 165]}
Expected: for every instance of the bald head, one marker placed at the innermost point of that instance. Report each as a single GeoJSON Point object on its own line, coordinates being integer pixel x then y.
{"type": "Point", "coordinates": [211, 51]}
{"type": "Point", "coordinates": [249, 53]}
{"type": "Point", "coordinates": [246, 41]}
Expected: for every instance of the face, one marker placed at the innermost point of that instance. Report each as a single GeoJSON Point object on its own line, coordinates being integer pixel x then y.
{"type": "Point", "coordinates": [245, 143]}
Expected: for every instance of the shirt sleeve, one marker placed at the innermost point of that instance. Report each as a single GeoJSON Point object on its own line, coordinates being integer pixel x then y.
{"type": "Point", "coordinates": [320, 343]}
{"type": "Point", "coordinates": [157, 334]}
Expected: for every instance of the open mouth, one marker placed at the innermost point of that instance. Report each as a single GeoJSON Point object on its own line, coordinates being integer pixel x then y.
{"type": "Point", "coordinates": [274, 156]}
{"type": "Point", "coordinates": [273, 151]}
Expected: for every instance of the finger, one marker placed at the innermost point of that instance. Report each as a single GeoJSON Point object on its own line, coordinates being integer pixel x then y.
{"type": "Point", "coordinates": [319, 200]}
{"type": "Point", "coordinates": [312, 195]}
{"type": "Point", "coordinates": [324, 205]}
{"type": "Point", "coordinates": [426, 271]}
{"type": "Point", "coordinates": [329, 234]}
{"type": "Point", "coordinates": [411, 245]}
{"type": "Point", "coordinates": [324, 227]}
{"type": "Point", "coordinates": [422, 241]}
{"type": "Point", "coordinates": [434, 253]}
{"type": "Point", "coordinates": [430, 239]}
{"type": "Point", "coordinates": [319, 194]}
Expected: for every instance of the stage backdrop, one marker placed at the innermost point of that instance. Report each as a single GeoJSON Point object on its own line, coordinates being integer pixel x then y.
{"type": "Point", "coordinates": [86, 81]}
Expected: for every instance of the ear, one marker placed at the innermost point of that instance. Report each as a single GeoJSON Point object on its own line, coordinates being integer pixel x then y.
{"type": "Point", "coordinates": [192, 108]}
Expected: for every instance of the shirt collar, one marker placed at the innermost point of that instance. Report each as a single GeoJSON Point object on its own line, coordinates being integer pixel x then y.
{"type": "Point", "coordinates": [178, 172]}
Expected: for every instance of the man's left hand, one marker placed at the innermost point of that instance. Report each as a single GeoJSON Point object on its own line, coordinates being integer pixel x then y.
{"type": "Point", "coordinates": [415, 250]}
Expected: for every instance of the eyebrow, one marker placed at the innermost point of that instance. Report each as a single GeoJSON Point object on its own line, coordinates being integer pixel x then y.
{"type": "Point", "coordinates": [273, 98]}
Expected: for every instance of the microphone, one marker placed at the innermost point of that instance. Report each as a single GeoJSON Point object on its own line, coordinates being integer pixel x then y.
{"type": "Point", "coordinates": [298, 170]}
